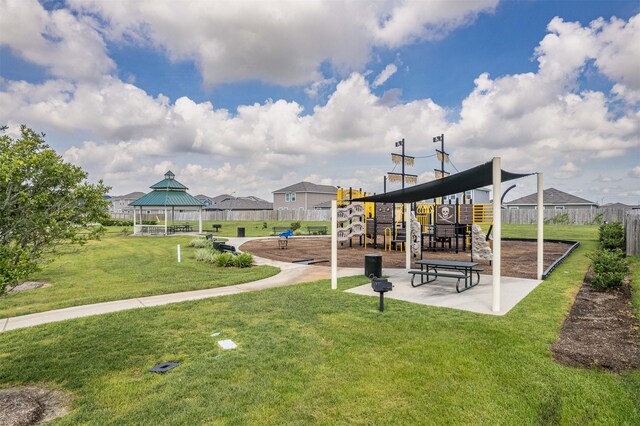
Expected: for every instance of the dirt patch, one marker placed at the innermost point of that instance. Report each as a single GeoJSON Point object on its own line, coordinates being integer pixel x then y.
{"type": "Point", "coordinates": [518, 257]}
{"type": "Point", "coordinates": [29, 285]}
{"type": "Point", "coordinates": [601, 330]}
{"type": "Point", "coordinates": [31, 405]}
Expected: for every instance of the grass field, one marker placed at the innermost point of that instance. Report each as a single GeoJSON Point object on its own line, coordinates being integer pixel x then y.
{"type": "Point", "coordinates": [119, 267]}
{"type": "Point", "coordinates": [310, 355]}
{"type": "Point", "coordinates": [253, 228]}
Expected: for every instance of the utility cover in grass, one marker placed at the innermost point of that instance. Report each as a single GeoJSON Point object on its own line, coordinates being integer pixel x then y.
{"type": "Point", "coordinates": [227, 344]}
{"type": "Point", "coordinates": [164, 367]}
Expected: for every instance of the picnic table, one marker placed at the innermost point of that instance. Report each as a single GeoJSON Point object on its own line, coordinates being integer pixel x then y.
{"type": "Point", "coordinates": [184, 227]}
{"type": "Point", "coordinates": [431, 269]}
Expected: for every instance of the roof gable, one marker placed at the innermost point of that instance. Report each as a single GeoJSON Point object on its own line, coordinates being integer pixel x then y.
{"type": "Point", "coordinates": [308, 187]}
{"type": "Point", "coordinates": [551, 196]}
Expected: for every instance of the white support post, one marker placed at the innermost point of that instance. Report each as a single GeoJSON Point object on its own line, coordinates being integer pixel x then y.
{"type": "Point", "coordinates": [200, 221]}
{"type": "Point", "coordinates": [334, 244]}
{"type": "Point", "coordinates": [540, 228]}
{"type": "Point", "coordinates": [165, 221]}
{"type": "Point", "coordinates": [134, 220]}
{"type": "Point", "coordinates": [497, 233]}
{"type": "Point", "coordinates": [407, 242]}
{"type": "Point", "coordinates": [178, 253]}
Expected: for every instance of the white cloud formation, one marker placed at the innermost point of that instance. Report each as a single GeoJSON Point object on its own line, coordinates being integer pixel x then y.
{"type": "Point", "coordinates": [68, 46]}
{"type": "Point", "coordinates": [384, 75]}
{"type": "Point", "coordinates": [540, 116]}
{"type": "Point", "coordinates": [635, 172]}
{"type": "Point", "coordinates": [534, 121]}
{"type": "Point", "coordinates": [277, 41]}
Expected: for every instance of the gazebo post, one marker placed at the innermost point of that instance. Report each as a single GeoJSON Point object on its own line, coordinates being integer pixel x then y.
{"type": "Point", "coordinates": [540, 228]}
{"type": "Point", "coordinates": [497, 233]}
{"type": "Point", "coordinates": [407, 241]}
{"type": "Point", "coordinates": [200, 220]}
{"type": "Point", "coordinates": [134, 220]}
{"type": "Point", "coordinates": [334, 244]}
{"type": "Point", "coordinates": [165, 220]}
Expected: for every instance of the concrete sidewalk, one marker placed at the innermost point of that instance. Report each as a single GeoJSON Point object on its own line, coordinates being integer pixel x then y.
{"type": "Point", "coordinates": [290, 273]}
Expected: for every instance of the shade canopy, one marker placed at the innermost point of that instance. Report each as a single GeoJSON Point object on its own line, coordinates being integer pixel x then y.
{"type": "Point", "coordinates": [473, 178]}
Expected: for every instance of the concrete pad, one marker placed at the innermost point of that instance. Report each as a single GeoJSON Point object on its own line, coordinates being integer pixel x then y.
{"type": "Point", "coordinates": [442, 292]}
{"type": "Point", "coordinates": [3, 324]}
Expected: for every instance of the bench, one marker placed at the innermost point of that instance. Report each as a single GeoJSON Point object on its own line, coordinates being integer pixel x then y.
{"type": "Point", "coordinates": [322, 230]}
{"type": "Point", "coordinates": [216, 227]}
{"type": "Point", "coordinates": [452, 269]}
{"type": "Point", "coordinates": [277, 230]}
{"type": "Point", "coordinates": [224, 248]}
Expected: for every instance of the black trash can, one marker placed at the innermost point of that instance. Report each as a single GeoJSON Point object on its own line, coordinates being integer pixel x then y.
{"type": "Point", "coordinates": [373, 265]}
{"type": "Point", "coordinates": [240, 232]}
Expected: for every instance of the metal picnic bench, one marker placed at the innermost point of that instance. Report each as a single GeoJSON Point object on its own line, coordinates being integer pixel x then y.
{"type": "Point", "coordinates": [321, 229]}
{"type": "Point", "coordinates": [433, 268]}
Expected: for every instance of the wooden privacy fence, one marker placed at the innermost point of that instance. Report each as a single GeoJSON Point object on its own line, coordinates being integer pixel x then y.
{"type": "Point", "coordinates": [632, 232]}
{"type": "Point", "coordinates": [259, 215]}
{"type": "Point", "coordinates": [568, 216]}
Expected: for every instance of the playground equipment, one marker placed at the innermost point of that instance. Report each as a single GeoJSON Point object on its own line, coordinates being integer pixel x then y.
{"type": "Point", "coordinates": [352, 213]}
{"type": "Point", "coordinates": [441, 226]}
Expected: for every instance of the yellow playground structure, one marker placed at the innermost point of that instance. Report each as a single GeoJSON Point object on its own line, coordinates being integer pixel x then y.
{"type": "Point", "coordinates": [389, 223]}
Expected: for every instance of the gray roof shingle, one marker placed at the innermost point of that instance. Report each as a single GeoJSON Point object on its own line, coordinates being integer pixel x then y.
{"type": "Point", "coordinates": [308, 187]}
{"type": "Point", "coordinates": [551, 196]}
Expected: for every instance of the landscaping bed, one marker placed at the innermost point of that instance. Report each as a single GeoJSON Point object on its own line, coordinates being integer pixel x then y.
{"type": "Point", "coordinates": [601, 330]}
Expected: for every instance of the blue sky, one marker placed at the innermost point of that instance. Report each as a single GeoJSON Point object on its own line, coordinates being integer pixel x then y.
{"type": "Point", "coordinates": [251, 97]}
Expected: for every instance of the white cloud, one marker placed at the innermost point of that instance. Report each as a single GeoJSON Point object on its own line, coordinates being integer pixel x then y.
{"type": "Point", "coordinates": [384, 75]}
{"type": "Point", "coordinates": [66, 45]}
{"type": "Point", "coordinates": [635, 172]}
{"type": "Point", "coordinates": [567, 170]}
{"type": "Point", "coordinates": [279, 42]}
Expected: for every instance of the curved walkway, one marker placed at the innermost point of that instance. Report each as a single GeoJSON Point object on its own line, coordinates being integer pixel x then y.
{"type": "Point", "coordinates": [290, 273]}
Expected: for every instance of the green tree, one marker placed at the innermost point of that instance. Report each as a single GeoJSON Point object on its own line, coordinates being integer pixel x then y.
{"type": "Point", "coordinates": [44, 202]}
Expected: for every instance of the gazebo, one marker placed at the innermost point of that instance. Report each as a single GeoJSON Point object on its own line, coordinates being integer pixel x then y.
{"type": "Point", "coordinates": [167, 194]}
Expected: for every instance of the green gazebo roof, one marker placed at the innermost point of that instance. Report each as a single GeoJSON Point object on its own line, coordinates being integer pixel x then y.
{"type": "Point", "coordinates": [167, 192]}
{"type": "Point", "coordinates": [169, 182]}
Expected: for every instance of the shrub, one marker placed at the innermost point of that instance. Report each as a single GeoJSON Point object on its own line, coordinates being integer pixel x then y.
{"type": "Point", "coordinates": [199, 243]}
{"type": "Point", "coordinates": [205, 255]}
{"type": "Point", "coordinates": [609, 268]}
{"type": "Point", "coordinates": [295, 226]}
{"type": "Point", "coordinates": [125, 231]}
{"type": "Point", "coordinates": [561, 219]}
{"type": "Point", "coordinates": [223, 259]}
{"type": "Point", "coordinates": [243, 260]}
{"type": "Point", "coordinates": [264, 225]}
{"type": "Point", "coordinates": [611, 236]}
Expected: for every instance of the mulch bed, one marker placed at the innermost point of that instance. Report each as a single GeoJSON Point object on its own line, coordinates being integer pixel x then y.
{"type": "Point", "coordinates": [601, 330]}
{"type": "Point", "coordinates": [518, 257]}
{"type": "Point", "coordinates": [31, 405]}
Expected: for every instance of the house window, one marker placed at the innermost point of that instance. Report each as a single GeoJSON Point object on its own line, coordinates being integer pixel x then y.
{"type": "Point", "coordinates": [290, 197]}
{"type": "Point", "coordinates": [513, 208]}
{"type": "Point", "coordinates": [558, 207]}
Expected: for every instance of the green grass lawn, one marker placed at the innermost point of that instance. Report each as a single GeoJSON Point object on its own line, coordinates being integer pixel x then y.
{"type": "Point", "coordinates": [253, 228]}
{"type": "Point", "coordinates": [119, 267]}
{"type": "Point", "coordinates": [310, 355]}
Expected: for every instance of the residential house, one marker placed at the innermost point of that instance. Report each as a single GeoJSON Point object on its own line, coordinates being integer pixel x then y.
{"type": "Point", "coordinates": [475, 196]}
{"type": "Point", "coordinates": [553, 199]}
{"type": "Point", "coordinates": [229, 202]}
{"type": "Point", "coordinates": [303, 196]}
{"type": "Point", "coordinates": [206, 200]}
{"type": "Point", "coordinates": [120, 203]}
